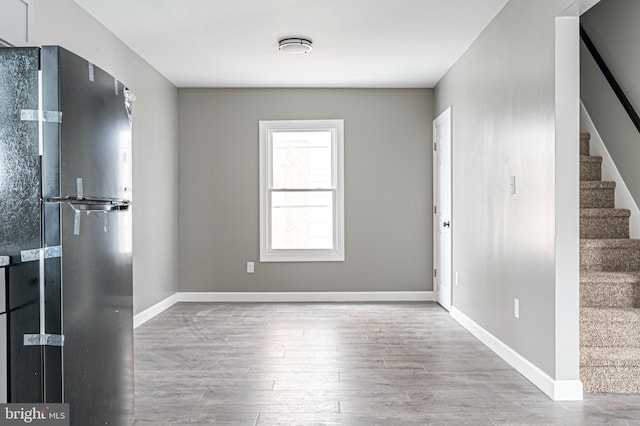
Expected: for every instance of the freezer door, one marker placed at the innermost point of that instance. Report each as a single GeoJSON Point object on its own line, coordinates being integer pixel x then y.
{"type": "Point", "coordinates": [89, 153]}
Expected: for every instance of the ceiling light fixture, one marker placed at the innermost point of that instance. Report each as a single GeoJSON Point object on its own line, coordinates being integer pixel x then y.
{"type": "Point", "coordinates": [295, 45]}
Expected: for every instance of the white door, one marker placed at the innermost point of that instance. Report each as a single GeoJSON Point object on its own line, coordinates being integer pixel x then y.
{"type": "Point", "coordinates": [442, 207]}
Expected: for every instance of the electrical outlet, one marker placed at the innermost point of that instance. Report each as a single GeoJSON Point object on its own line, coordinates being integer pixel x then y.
{"type": "Point", "coordinates": [516, 308]}
{"type": "Point", "coordinates": [457, 278]}
{"type": "Point", "coordinates": [250, 268]}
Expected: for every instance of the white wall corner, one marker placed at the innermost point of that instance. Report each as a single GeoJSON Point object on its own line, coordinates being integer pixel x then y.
{"type": "Point", "coordinates": [557, 390]}
{"type": "Point", "coordinates": [567, 200]}
{"type": "Point", "coordinates": [567, 390]}
{"type": "Point", "coordinates": [16, 22]}
{"type": "Point", "coordinates": [578, 7]}
{"type": "Point", "coordinates": [154, 310]}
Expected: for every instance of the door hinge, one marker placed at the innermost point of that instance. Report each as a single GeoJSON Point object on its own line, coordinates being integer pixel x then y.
{"type": "Point", "coordinates": [435, 146]}
{"type": "Point", "coordinates": [435, 272]}
{"type": "Point", "coordinates": [435, 209]}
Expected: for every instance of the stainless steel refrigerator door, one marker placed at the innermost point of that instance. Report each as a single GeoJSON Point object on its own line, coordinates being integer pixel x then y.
{"type": "Point", "coordinates": [88, 154]}
{"type": "Point", "coordinates": [19, 152]}
{"type": "Point", "coordinates": [4, 359]}
{"type": "Point", "coordinates": [98, 351]}
{"type": "Point", "coordinates": [20, 219]}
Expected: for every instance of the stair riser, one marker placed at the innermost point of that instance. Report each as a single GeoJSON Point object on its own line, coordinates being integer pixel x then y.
{"type": "Point", "coordinates": [590, 171]}
{"type": "Point", "coordinates": [610, 335]}
{"type": "Point", "coordinates": [607, 227]}
{"type": "Point", "coordinates": [623, 259]}
{"type": "Point", "coordinates": [609, 295]}
{"type": "Point", "coordinates": [610, 379]}
{"type": "Point", "coordinates": [584, 146]}
{"type": "Point", "coordinates": [610, 259]}
{"type": "Point", "coordinates": [600, 198]}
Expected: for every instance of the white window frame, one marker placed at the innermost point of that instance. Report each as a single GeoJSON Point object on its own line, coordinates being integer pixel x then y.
{"type": "Point", "coordinates": [266, 129]}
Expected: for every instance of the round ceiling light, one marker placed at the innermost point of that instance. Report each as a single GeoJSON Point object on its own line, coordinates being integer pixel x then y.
{"type": "Point", "coordinates": [295, 45]}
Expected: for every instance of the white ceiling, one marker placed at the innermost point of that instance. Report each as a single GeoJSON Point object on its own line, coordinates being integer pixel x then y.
{"type": "Point", "coordinates": [357, 43]}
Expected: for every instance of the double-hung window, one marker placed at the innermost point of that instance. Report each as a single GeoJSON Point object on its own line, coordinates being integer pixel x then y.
{"type": "Point", "coordinates": [301, 190]}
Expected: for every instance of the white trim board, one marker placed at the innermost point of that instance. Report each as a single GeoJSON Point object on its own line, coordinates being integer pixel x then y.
{"type": "Point", "coordinates": [154, 310]}
{"type": "Point", "coordinates": [275, 297]}
{"type": "Point", "coordinates": [558, 390]}
{"type": "Point", "coordinates": [309, 297]}
{"type": "Point", "coordinates": [624, 199]}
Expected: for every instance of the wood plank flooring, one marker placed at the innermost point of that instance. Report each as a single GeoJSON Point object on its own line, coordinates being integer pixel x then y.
{"type": "Point", "coordinates": [338, 364]}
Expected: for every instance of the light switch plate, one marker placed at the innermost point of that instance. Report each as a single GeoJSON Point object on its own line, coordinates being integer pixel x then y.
{"type": "Point", "coordinates": [512, 185]}
{"type": "Point", "coordinates": [250, 268]}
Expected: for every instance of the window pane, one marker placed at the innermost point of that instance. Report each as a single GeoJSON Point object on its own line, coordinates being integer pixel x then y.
{"type": "Point", "coordinates": [302, 220]}
{"type": "Point", "coordinates": [301, 160]}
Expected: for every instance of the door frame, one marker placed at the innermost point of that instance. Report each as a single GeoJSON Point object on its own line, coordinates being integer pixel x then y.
{"type": "Point", "coordinates": [446, 116]}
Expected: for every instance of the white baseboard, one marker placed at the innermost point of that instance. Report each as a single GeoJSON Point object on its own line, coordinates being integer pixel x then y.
{"type": "Point", "coordinates": [310, 297]}
{"type": "Point", "coordinates": [154, 310]}
{"type": "Point", "coordinates": [624, 199]}
{"type": "Point", "coordinates": [558, 390]}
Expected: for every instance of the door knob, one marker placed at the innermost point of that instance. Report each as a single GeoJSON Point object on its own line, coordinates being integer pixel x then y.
{"type": "Point", "coordinates": [447, 224]}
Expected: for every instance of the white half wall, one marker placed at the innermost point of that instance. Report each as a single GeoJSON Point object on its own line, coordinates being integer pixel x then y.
{"type": "Point", "coordinates": [516, 101]}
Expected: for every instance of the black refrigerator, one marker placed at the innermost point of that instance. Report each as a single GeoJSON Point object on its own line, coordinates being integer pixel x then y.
{"type": "Point", "coordinates": [66, 234]}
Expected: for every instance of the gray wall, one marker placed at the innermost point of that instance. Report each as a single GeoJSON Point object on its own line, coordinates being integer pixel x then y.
{"type": "Point", "coordinates": [502, 92]}
{"type": "Point", "coordinates": [614, 27]}
{"type": "Point", "coordinates": [387, 189]}
{"type": "Point", "coordinates": [155, 153]}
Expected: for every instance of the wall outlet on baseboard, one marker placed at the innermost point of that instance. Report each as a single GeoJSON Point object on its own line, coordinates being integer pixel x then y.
{"type": "Point", "coordinates": [516, 308]}
{"type": "Point", "coordinates": [250, 268]}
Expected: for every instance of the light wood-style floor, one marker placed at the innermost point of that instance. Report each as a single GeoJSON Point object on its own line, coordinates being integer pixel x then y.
{"type": "Point", "coordinates": [338, 364]}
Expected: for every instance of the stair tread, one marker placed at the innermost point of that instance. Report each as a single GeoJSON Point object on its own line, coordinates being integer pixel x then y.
{"type": "Point", "coordinates": [610, 357]}
{"type": "Point", "coordinates": [610, 277]}
{"type": "Point", "coordinates": [610, 315]}
{"type": "Point", "coordinates": [604, 212]}
{"type": "Point", "coordinates": [609, 243]}
{"type": "Point", "coordinates": [596, 184]}
{"type": "Point", "coordinates": [591, 159]}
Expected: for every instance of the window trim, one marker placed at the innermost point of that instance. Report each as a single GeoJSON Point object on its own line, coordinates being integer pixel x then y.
{"type": "Point", "coordinates": [266, 129]}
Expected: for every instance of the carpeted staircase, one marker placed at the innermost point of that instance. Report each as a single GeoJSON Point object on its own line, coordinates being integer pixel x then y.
{"type": "Point", "coordinates": [609, 285]}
